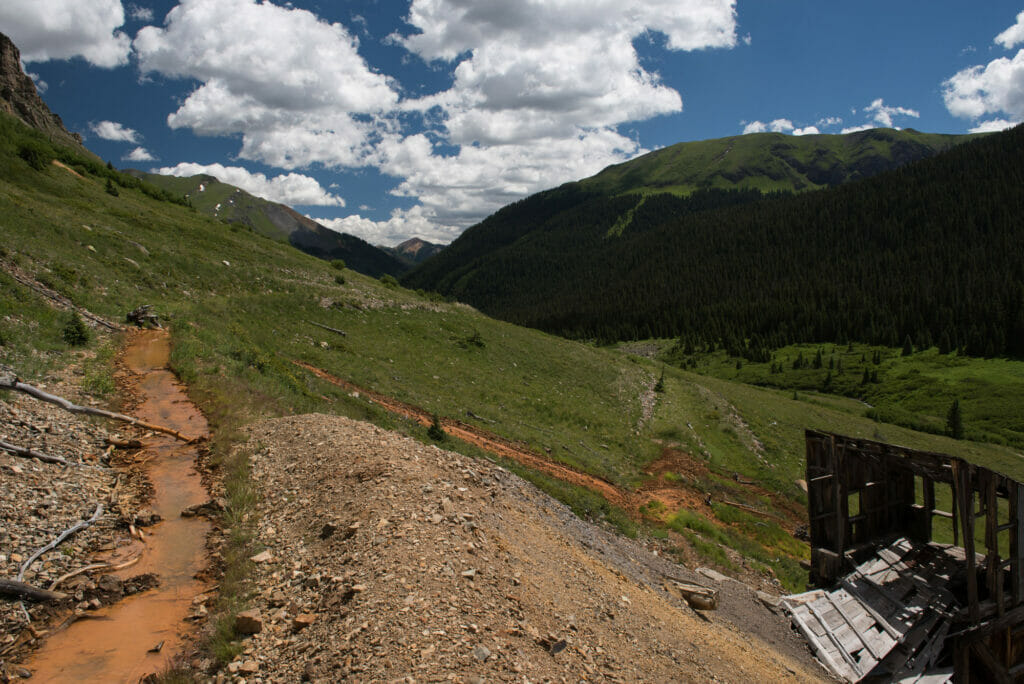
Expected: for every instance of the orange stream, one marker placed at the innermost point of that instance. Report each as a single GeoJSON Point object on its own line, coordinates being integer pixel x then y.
{"type": "Point", "coordinates": [116, 647]}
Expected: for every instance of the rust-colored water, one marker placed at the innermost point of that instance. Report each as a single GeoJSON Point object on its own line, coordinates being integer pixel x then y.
{"type": "Point", "coordinates": [116, 647]}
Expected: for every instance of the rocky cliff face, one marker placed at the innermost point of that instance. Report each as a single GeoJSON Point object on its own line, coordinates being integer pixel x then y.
{"type": "Point", "coordinates": [19, 98]}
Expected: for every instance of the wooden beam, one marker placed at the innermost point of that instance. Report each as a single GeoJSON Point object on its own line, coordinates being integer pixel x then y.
{"type": "Point", "coordinates": [1016, 542]}
{"type": "Point", "coordinates": [928, 487]}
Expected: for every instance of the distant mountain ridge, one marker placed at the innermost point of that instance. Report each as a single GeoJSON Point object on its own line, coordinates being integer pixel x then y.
{"type": "Point", "coordinates": [414, 251]}
{"type": "Point", "coordinates": [745, 166]}
{"type": "Point", "coordinates": [19, 97]}
{"type": "Point", "coordinates": [278, 222]}
{"type": "Point", "coordinates": [770, 162]}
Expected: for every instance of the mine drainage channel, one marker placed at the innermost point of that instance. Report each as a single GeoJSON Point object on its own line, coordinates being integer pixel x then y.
{"type": "Point", "coordinates": [117, 648]}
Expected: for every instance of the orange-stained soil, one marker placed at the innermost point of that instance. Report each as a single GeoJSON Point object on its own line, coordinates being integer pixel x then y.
{"type": "Point", "coordinates": [117, 647]}
{"type": "Point", "coordinates": [673, 494]}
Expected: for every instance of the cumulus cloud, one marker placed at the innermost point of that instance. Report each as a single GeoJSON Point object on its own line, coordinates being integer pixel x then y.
{"type": "Point", "coordinates": [459, 189]}
{"type": "Point", "coordinates": [806, 130]}
{"type": "Point", "coordinates": [291, 189]}
{"type": "Point", "coordinates": [398, 228]}
{"type": "Point", "coordinates": [289, 82]}
{"type": "Point", "coordinates": [139, 154]}
{"type": "Point", "coordinates": [776, 126]}
{"type": "Point", "coordinates": [882, 114]}
{"type": "Point", "coordinates": [1012, 36]}
{"type": "Point", "coordinates": [993, 126]}
{"type": "Point", "coordinates": [117, 132]}
{"type": "Point", "coordinates": [996, 88]}
{"type": "Point", "coordinates": [140, 13]}
{"type": "Point", "coordinates": [830, 121]}
{"type": "Point", "coordinates": [62, 29]}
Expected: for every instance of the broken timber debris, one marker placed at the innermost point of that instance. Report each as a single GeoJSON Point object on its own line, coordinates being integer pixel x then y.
{"type": "Point", "coordinates": [895, 605]}
{"type": "Point", "coordinates": [8, 380]}
{"type": "Point", "coordinates": [143, 317]}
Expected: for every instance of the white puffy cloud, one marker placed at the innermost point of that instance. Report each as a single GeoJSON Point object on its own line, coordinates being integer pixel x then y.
{"type": "Point", "coordinates": [775, 126]}
{"type": "Point", "coordinates": [1012, 36]}
{"type": "Point", "coordinates": [830, 121]}
{"type": "Point", "coordinates": [287, 81]}
{"type": "Point", "coordinates": [857, 129]}
{"type": "Point", "coordinates": [458, 190]}
{"type": "Point", "coordinates": [139, 154]}
{"type": "Point", "coordinates": [882, 114]}
{"type": "Point", "coordinates": [140, 13]}
{"type": "Point", "coordinates": [117, 132]}
{"type": "Point", "coordinates": [402, 224]}
{"type": "Point", "coordinates": [62, 29]}
{"type": "Point", "coordinates": [993, 126]}
{"type": "Point", "coordinates": [806, 130]}
{"type": "Point", "coordinates": [538, 70]}
{"type": "Point", "coordinates": [996, 88]}
{"type": "Point", "coordinates": [291, 189]}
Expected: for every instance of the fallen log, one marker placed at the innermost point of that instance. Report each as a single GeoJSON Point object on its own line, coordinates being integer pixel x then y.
{"type": "Point", "coordinates": [333, 330]}
{"type": "Point", "coordinates": [31, 453]}
{"type": "Point", "coordinates": [21, 590]}
{"type": "Point", "coordinates": [64, 301]}
{"type": "Point", "coordinates": [80, 525]}
{"type": "Point", "coordinates": [10, 381]}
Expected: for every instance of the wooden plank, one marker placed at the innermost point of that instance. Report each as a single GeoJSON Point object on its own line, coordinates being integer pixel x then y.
{"type": "Point", "coordinates": [879, 619]}
{"type": "Point", "coordinates": [860, 634]}
{"type": "Point", "coordinates": [854, 667]}
{"type": "Point", "coordinates": [964, 492]}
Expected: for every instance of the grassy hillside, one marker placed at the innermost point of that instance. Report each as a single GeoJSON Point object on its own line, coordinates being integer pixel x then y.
{"type": "Point", "coordinates": [240, 309]}
{"type": "Point", "coordinates": [278, 222]}
{"type": "Point", "coordinates": [769, 162]}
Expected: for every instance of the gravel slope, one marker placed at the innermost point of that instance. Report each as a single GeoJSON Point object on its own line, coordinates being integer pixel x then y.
{"type": "Point", "coordinates": [386, 559]}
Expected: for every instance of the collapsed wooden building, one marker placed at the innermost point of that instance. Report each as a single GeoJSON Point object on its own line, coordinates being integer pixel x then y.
{"type": "Point", "coordinates": [920, 562]}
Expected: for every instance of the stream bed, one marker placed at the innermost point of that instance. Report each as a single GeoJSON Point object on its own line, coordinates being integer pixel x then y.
{"type": "Point", "coordinates": [115, 644]}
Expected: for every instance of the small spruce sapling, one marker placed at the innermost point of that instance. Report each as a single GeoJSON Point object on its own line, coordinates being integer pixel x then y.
{"type": "Point", "coordinates": [435, 431]}
{"type": "Point", "coordinates": [955, 421]}
{"type": "Point", "coordinates": [74, 332]}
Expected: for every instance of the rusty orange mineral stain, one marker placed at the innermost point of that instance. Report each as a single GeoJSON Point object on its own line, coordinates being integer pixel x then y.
{"type": "Point", "coordinates": [116, 648]}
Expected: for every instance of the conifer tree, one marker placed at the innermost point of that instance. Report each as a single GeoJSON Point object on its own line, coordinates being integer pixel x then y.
{"type": "Point", "coordinates": [955, 421]}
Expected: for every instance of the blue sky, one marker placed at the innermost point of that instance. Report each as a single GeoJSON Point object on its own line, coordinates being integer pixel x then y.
{"type": "Point", "coordinates": [389, 119]}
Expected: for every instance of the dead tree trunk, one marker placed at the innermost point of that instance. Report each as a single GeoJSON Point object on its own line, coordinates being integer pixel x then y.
{"type": "Point", "coordinates": [30, 453]}
{"type": "Point", "coordinates": [10, 381]}
{"type": "Point", "coordinates": [21, 590]}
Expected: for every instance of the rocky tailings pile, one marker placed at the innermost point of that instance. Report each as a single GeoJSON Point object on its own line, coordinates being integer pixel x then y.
{"type": "Point", "coordinates": [387, 559]}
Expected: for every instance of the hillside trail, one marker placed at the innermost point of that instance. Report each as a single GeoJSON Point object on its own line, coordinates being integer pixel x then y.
{"type": "Point", "coordinates": [672, 495]}
{"type": "Point", "coordinates": [117, 644]}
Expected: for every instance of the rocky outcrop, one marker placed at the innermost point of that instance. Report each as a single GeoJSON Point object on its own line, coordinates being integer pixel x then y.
{"type": "Point", "coordinates": [18, 97]}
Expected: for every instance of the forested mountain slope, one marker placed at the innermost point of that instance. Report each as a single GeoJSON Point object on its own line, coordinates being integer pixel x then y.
{"type": "Point", "coordinates": [929, 250]}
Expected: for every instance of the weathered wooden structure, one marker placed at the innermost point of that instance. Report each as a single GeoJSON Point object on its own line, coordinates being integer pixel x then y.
{"type": "Point", "coordinates": [864, 495]}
